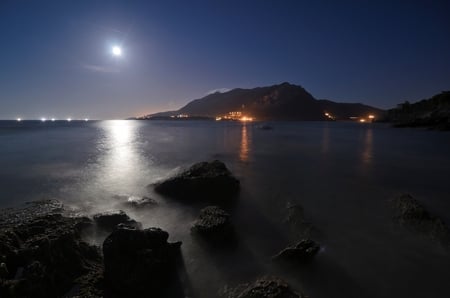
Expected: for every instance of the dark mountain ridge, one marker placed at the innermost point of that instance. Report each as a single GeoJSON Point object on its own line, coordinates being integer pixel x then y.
{"type": "Point", "coordinates": [278, 102]}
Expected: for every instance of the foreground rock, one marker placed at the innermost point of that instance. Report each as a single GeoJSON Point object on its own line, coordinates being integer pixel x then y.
{"type": "Point", "coordinates": [108, 221]}
{"type": "Point", "coordinates": [44, 255]}
{"type": "Point", "coordinates": [303, 252]}
{"type": "Point", "coordinates": [267, 287]}
{"type": "Point", "coordinates": [139, 263]}
{"type": "Point", "coordinates": [213, 223]}
{"type": "Point", "coordinates": [410, 212]}
{"type": "Point", "coordinates": [202, 181]}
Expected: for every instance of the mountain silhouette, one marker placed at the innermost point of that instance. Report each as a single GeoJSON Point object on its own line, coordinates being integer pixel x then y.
{"type": "Point", "coordinates": [278, 102]}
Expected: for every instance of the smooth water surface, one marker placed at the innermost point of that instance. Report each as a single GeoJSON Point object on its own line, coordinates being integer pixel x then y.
{"type": "Point", "coordinates": [343, 174]}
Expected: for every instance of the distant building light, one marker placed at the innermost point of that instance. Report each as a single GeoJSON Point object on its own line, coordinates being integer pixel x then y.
{"type": "Point", "coordinates": [86, 119]}
{"type": "Point", "coordinates": [69, 119]}
{"type": "Point", "coordinates": [218, 118]}
{"type": "Point", "coordinates": [371, 116]}
{"type": "Point", "coordinates": [43, 119]}
{"type": "Point", "coordinates": [362, 120]}
{"type": "Point", "coordinates": [53, 119]}
{"type": "Point", "coordinates": [19, 119]}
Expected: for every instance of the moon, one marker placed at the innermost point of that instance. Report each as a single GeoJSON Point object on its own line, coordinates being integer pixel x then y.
{"type": "Point", "coordinates": [116, 51]}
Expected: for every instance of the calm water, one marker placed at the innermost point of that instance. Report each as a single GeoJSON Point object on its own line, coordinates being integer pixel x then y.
{"type": "Point", "coordinates": [343, 174]}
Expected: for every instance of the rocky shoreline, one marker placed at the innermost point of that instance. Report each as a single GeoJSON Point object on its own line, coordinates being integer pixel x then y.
{"type": "Point", "coordinates": [44, 251]}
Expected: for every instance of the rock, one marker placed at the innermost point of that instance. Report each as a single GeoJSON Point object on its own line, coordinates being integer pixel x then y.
{"type": "Point", "coordinates": [44, 255]}
{"type": "Point", "coordinates": [202, 181]}
{"type": "Point", "coordinates": [410, 212]}
{"type": "Point", "coordinates": [108, 221]}
{"type": "Point", "coordinates": [140, 202]}
{"type": "Point", "coordinates": [213, 223]}
{"type": "Point", "coordinates": [139, 263]}
{"type": "Point", "coordinates": [302, 252]}
{"type": "Point", "coordinates": [295, 221]}
{"type": "Point", "coordinates": [267, 287]}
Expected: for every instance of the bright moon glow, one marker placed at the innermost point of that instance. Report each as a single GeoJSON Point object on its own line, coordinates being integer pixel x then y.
{"type": "Point", "coordinates": [117, 51]}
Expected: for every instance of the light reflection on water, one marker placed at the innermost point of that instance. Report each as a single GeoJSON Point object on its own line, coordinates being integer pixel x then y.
{"type": "Point", "coordinates": [245, 143]}
{"type": "Point", "coordinates": [368, 144]}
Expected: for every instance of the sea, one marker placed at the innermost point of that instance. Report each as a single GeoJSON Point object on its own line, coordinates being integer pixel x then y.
{"type": "Point", "coordinates": [343, 175]}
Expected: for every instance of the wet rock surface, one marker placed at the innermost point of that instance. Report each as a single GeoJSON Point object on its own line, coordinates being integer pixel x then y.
{"type": "Point", "coordinates": [140, 202]}
{"type": "Point", "coordinates": [267, 287]}
{"type": "Point", "coordinates": [213, 223]}
{"type": "Point", "coordinates": [411, 213]}
{"type": "Point", "coordinates": [139, 263]}
{"type": "Point", "coordinates": [108, 221]}
{"type": "Point", "coordinates": [44, 255]}
{"type": "Point", "coordinates": [302, 252]}
{"type": "Point", "coordinates": [210, 181]}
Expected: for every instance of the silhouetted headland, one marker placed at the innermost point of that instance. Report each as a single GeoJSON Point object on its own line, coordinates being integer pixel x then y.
{"type": "Point", "coordinates": [278, 102]}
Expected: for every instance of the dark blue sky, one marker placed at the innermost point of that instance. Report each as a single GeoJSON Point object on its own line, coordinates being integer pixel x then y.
{"type": "Point", "coordinates": [56, 55]}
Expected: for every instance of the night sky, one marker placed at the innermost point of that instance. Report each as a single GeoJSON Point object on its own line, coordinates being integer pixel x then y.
{"type": "Point", "coordinates": [56, 58]}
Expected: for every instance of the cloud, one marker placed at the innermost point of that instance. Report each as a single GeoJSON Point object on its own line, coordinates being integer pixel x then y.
{"type": "Point", "coordinates": [220, 90]}
{"type": "Point", "coordinates": [100, 68]}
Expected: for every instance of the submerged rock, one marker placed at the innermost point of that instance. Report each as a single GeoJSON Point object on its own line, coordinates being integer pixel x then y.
{"type": "Point", "coordinates": [296, 224]}
{"type": "Point", "coordinates": [302, 252]}
{"type": "Point", "coordinates": [140, 202]}
{"type": "Point", "coordinates": [45, 255]}
{"type": "Point", "coordinates": [213, 223]}
{"type": "Point", "coordinates": [108, 221]}
{"type": "Point", "coordinates": [202, 181]}
{"type": "Point", "coordinates": [267, 287]}
{"type": "Point", "coordinates": [410, 212]}
{"type": "Point", "coordinates": [139, 263]}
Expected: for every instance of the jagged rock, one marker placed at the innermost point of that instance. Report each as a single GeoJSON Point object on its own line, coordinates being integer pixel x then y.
{"type": "Point", "coordinates": [44, 255]}
{"type": "Point", "coordinates": [202, 181]}
{"type": "Point", "coordinates": [267, 287]}
{"type": "Point", "coordinates": [410, 212]}
{"type": "Point", "coordinates": [139, 263]}
{"type": "Point", "coordinates": [108, 221]}
{"type": "Point", "coordinates": [213, 223]}
{"type": "Point", "coordinates": [140, 202]}
{"type": "Point", "coordinates": [302, 252]}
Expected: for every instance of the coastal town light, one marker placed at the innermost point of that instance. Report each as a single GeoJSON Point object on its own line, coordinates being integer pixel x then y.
{"type": "Point", "coordinates": [43, 119]}
{"type": "Point", "coordinates": [371, 117]}
{"type": "Point", "coordinates": [19, 119]}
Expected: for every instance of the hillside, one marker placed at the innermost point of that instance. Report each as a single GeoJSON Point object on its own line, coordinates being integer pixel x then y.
{"type": "Point", "coordinates": [278, 102]}
{"type": "Point", "coordinates": [433, 113]}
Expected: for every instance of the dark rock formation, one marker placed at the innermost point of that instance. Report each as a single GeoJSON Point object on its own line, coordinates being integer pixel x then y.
{"type": "Point", "coordinates": [213, 223]}
{"type": "Point", "coordinates": [267, 287]}
{"type": "Point", "coordinates": [139, 263]}
{"type": "Point", "coordinates": [203, 181]}
{"type": "Point", "coordinates": [432, 113]}
{"type": "Point", "coordinates": [108, 221]}
{"type": "Point", "coordinates": [44, 255]}
{"type": "Point", "coordinates": [410, 212]}
{"type": "Point", "coordinates": [302, 252]}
